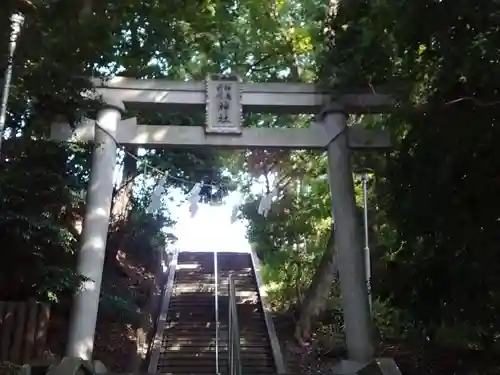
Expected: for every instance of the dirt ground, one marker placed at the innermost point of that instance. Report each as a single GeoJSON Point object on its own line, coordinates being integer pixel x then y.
{"type": "Point", "coordinates": [412, 358]}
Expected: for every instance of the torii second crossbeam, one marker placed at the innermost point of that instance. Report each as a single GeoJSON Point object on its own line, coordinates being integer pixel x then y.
{"type": "Point", "coordinates": [160, 136]}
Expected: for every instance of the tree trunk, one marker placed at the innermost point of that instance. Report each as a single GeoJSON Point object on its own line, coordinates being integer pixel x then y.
{"type": "Point", "coordinates": [298, 284]}
{"type": "Point", "coordinates": [157, 302]}
{"type": "Point", "coordinates": [122, 200]}
{"type": "Point", "coordinates": [317, 294]}
{"type": "Point", "coordinates": [143, 330]}
{"type": "Point", "coordinates": [121, 208]}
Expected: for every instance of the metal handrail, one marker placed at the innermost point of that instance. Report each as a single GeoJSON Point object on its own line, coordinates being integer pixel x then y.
{"type": "Point", "coordinates": [217, 325]}
{"type": "Point", "coordinates": [156, 346]}
{"type": "Point", "coordinates": [234, 332]}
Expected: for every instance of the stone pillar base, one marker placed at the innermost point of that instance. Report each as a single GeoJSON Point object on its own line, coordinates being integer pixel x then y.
{"type": "Point", "coordinates": [379, 366]}
{"type": "Point", "coordinates": [99, 368]}
{"type": "Point", "coordinates": [72, 366]}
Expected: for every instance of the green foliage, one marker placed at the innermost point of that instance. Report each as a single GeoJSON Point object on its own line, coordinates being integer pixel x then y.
{"type": "Point", "coordinates": [291, 240]}
{"type": "Point", "coordinates": [432, 212]}
{"type": "Point", "coordinates": [56, 281]}
{"type": "Point", "coordinates": [62, 42]}
{"type": "Point", "coordinates": [436, 221]}
{"type": "Point", "coordinates": [37, 209]}
{"type": "Point", "coordinates": [42, 183]}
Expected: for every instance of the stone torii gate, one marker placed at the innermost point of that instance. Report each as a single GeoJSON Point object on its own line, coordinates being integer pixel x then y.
{"type": "Point", "coordinates": [223, 99]}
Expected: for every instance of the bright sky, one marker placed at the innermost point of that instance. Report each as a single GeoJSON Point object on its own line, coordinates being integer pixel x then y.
{"type": "Point", "coordinates": [210, 229]}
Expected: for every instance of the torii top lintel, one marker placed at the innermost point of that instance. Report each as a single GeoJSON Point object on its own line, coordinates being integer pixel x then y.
{"type": "Point", "coordinates": [164, 95]}
{"type": "Point", "coordinates": [223, 99]}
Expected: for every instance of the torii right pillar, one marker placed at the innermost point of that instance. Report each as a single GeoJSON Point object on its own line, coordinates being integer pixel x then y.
{"type": "Point", "coordinates": [348, 242]}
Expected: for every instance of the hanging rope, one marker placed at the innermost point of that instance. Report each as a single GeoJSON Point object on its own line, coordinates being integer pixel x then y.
{"type": "Point", "coordinates": [194, 195]}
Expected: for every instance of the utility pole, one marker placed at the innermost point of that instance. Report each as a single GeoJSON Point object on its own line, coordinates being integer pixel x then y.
{"type": "Point", "coordinates": [366, 174]}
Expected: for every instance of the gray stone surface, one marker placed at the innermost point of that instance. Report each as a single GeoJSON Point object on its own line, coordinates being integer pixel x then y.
{"type": "Point", "coordinates": [379, 366]}
{"type": "Point", "coordinates": [99, 368]}
{"type": "Point", "coordinates": [347, 367]}
{"type": "Point", "coordinates": [371, 369]}
{"type": "Point", "coordinates": [388, 366]}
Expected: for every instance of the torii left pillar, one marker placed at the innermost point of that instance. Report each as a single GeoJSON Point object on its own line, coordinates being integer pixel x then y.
{"type": "Point", "coordinates": [95, 230]}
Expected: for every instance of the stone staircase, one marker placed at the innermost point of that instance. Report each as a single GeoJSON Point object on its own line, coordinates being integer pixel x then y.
{"type": "Point", "coordinates": [189, 345]}
{"type": "Point", "coordinates": [189, 334]}
{"type": "Point", "coordinates": [256, 352]}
